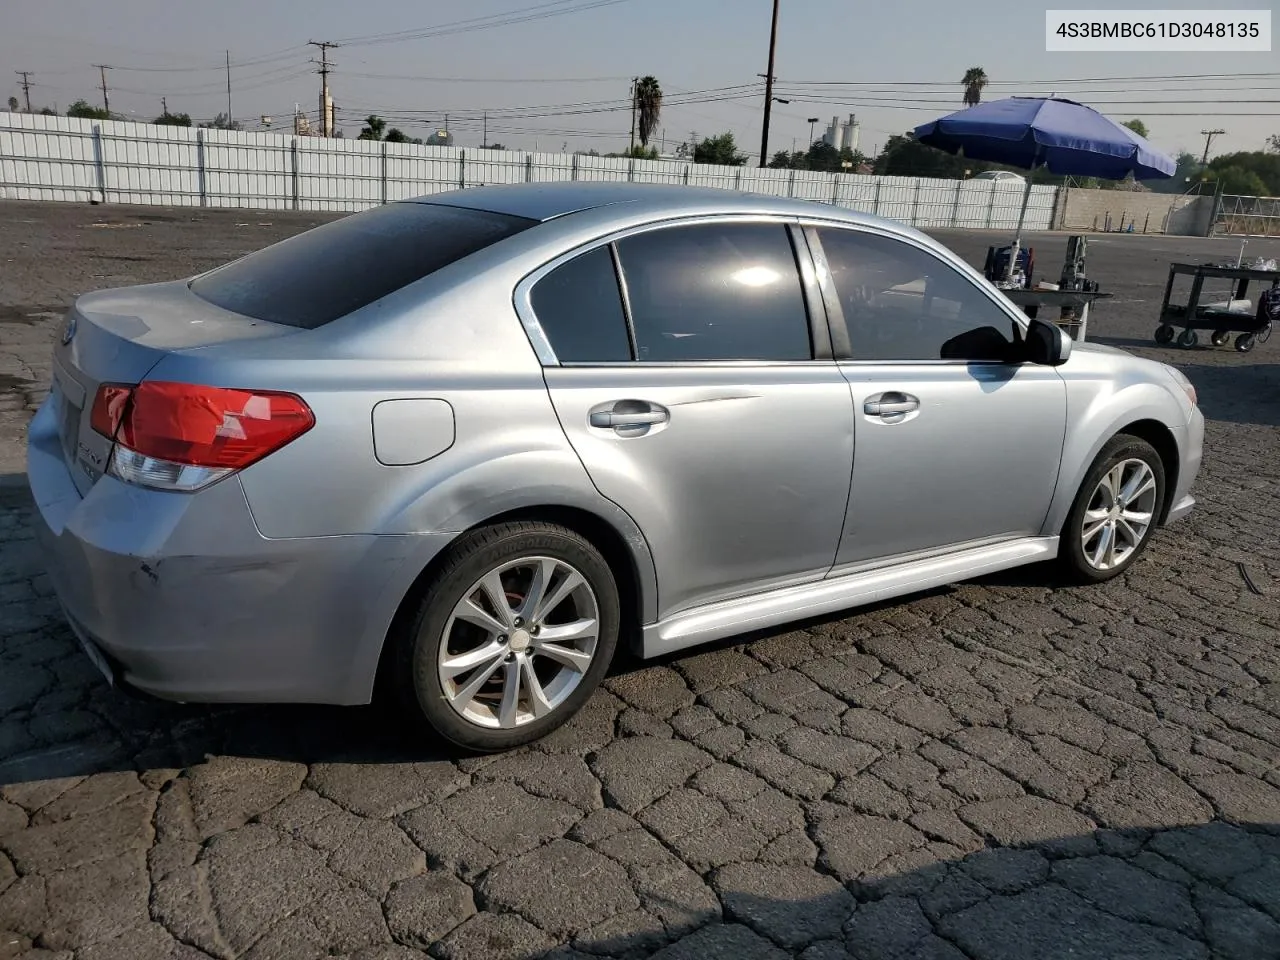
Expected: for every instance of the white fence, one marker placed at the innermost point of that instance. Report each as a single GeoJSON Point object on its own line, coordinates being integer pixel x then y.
{"type": "Point", "coordinates": [65, 158]}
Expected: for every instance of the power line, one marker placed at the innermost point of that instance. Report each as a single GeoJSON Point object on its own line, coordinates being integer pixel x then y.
{"type": "Point", "coordinates": [520, 80]}
{"type": "Point", "coordinates": [1006, 83]}
{"type": "Point", "coordinates": [287, 53]}
{"type": "Point", "coordinates": [541, 11]}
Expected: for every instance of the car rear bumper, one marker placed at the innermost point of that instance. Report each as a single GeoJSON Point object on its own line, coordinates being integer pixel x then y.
{"type": "Point", "coordinates": [180, 596]}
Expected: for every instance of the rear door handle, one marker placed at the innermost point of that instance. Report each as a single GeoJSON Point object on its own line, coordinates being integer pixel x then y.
{"type": "Point", "coordinates": [629, 418]}
{"type": "Point", "coordinates": [607, 418]}
{"type": "Point", "coordinates": [891, 404]}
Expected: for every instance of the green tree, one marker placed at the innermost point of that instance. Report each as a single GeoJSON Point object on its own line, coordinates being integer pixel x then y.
{"type": "Point", "coordinates": [648, 107]}
{"type": "Point", "coordinates": [1273, 143]}
{"type": "Point", "coordinates": [1239, 181]}
{"type": "Point", "coordinates": [975, 79]}
{"type": "Point", "coordinates": [905, 156]}
{"type": "Point", "coordinates": [1264, 166]}
{"type": "Point", "coordinates": [374, 128]}
{"type": "Point", "coordinates": [220, 122]}
{"type": "Point", "coordinates": [721, 149]}
{"type": "Point", "coordinates": [492, 146]}
{"type": "Point", "coordinates": [1188, 167]}
{"type": "Point", "coordinates": [82, 109]}
{"type": "Point", "coordinates": [13, 104]}
{"type": "Point", "coordinates": [173, 120]}
{"type": "Point", "coordinates": [1138, 127]}
{"type": "Point", "coordinates": [396, 135]}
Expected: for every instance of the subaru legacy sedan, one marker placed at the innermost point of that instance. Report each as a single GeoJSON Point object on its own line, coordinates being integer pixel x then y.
{"type": "Point", "coordinates": [463, 448]}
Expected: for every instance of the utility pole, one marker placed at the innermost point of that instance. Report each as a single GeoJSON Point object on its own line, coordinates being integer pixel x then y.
{"type": "Point", "coordinates": [326, 125]}
{"type": "Point", "coordinates": [768, 87]}
{"type": "Point", "coordinates": [164, 108]}
{"type": "Point", "coordinates": [228, 89]}
{"type": "Point", "coordinates": [1208, 139]}
{"type": "Point", "coordinates": [26, 86]}
{"type": "Point", "coordinates": [484, 142]}
{"type": "Point", "coordinates": [102, 71]}
{"type": "Point", "coordinates": [635, 84]}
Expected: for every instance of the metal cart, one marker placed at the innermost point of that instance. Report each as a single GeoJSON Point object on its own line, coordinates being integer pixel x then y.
{"type": "Point", "coordinates": [1073, 306]}
{"type": "Point", "coordinates": [1191, 316]}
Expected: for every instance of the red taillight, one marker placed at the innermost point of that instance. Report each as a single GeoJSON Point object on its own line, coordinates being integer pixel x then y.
{"type": "Point", "coordinates": [206, 426]}
{"type": "Point", "coordinates": [108, 408]}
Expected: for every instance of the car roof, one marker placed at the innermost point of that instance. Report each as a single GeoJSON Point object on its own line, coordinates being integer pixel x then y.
{"type": "Point", "coordinates": [547, 201]}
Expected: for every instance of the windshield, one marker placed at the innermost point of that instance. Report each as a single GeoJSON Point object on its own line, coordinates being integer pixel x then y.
{"type": "Point", "coordinates": [326, 273]}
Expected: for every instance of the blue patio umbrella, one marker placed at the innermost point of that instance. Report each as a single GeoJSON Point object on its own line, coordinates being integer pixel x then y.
{"type": "Point", "coordinates": [1070, 138]}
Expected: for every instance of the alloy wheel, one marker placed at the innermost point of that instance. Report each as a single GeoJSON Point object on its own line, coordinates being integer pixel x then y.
{"type": "Point", "coordinates": [519, 642]}
{"type": "Point", "coordinates": [1119, 515]}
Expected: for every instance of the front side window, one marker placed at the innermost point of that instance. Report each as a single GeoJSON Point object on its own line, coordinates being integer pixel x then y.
{"type": "Point", "coordinates": [711, 291]}
{"type": "Point", "coordinates": [903, 303]}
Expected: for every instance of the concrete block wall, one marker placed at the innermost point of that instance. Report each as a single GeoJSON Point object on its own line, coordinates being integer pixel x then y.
{"type": "Point", "coordinates": [1083, 209]}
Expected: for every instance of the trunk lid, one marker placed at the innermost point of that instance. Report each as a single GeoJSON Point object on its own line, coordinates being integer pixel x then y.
{"type": "Point", "coordinates": [118, 336]}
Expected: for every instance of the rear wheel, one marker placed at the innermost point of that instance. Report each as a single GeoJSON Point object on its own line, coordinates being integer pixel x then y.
{"type": "Point", "coordinates": [1115, 511]}
{"type": "Point", "coordinates": [1244, 342]}
{"type": "Point", "coordinates": [1164, 333]}
{"type": "Point", "coordinates": [1188, 338]}
{"type": "Point", "coordinates": [511, 636]}
{"type": "Point", "coordinates": [1220, 337]}
{"type": "Point", "coordinates": [1263, 335]}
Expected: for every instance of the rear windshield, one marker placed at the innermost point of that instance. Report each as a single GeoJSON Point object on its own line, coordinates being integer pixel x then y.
{"type": "Point", "coordinates": [326, 273]}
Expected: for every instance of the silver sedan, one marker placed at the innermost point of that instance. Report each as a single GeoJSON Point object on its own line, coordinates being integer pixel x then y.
{"type": "Point", "coordinates": [466, 446]}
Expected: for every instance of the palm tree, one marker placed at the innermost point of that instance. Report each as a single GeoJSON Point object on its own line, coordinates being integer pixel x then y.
{"type": "Point", "coordinates": [975, 78]}
{"type": "Point", "coordinates": [373, 129]}
{"type": "Point", "coordinates": [649, 106]}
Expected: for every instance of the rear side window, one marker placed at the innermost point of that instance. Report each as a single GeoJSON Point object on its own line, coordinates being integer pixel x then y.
{"type": "Point", "coordinates": [579, 308]}
{"type": "Point", "coordinates": [715, 291]}
{"type": "Point", "coordinates": [326, 273]}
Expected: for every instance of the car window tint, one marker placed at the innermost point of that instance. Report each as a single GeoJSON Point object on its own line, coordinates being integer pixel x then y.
{"type": "Point", "coordinates": [715, 292]}
{"type": "Point", "coordinates": [326, 273]}
{"type": "Point", "coordinates": [579, 308]}
{"type": "Point", "coordinates": [903, 303]}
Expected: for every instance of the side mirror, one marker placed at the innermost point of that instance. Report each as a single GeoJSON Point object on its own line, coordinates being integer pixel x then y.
{"type": "Point", "coordinates": [1047, 343]}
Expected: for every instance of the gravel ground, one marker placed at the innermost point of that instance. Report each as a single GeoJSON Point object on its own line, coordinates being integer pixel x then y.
{"type": "Point", "coordinates": [1005, 769]}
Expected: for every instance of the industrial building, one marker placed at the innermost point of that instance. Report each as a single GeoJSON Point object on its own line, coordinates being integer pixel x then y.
{"type": "Point", "coordinates": [842, 133]}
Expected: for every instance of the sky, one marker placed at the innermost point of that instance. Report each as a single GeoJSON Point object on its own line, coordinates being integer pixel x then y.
{"type": "Point", "coordinates": [558, 76]}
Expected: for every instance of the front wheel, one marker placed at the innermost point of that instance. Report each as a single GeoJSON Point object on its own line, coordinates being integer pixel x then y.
{"type": "Point", "coordinates": [1115, 511]}
{"type": "Point", "coordinates": [1188, 338]}
{"type": "Point", "coordinates": [1244, 342]}
{"type": "Point", "coordinates": [511, 637]}
{"type": "Point", "coordinates": [1164, 333]}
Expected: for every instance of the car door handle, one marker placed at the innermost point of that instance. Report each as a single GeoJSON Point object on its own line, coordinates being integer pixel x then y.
{"type": "Point", "coordinates": [624, 416]}
{"type": "Point", "coordinates": [891, 404]}
{"type": "Point", "coordinates": [607, 418]}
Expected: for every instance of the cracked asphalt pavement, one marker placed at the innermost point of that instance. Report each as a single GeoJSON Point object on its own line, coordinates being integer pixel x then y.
{"type": "Point", "coordinates": [1003, 769]}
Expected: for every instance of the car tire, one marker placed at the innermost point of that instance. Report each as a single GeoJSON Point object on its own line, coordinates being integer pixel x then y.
{"type": "Point", "coordinates": [1084, 550]}
{"type": "Point", "coordinates": [432, 657]}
